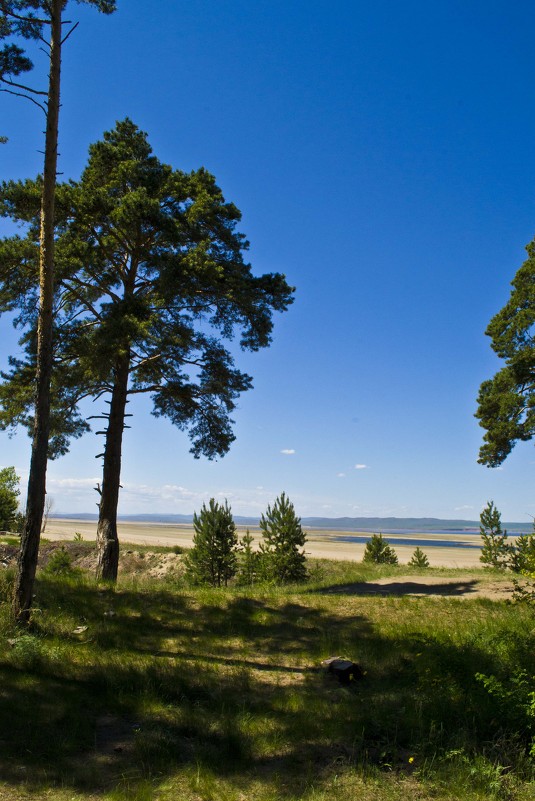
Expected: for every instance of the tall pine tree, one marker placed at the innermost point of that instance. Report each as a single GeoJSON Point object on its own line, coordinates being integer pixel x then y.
{"type": "Point", "coordinates": [28, 19]}
{"type": "Point", "coordinates": [151, 281]}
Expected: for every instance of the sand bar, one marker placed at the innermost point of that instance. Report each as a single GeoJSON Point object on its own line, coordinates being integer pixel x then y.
{"type": "Point", "coordinates": [321, 543]}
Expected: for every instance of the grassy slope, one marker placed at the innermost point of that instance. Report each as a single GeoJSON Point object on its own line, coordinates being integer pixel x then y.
{"type": "Point", "coordinates": [175, 693]}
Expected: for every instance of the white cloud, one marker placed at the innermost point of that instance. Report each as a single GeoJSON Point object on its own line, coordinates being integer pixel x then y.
{"type": "Point", "coordinates": [465, 508]}
{"type": "Point", "coordinates": [288, 451]}
{"type": "Point", "coordinates": [361, 467]}
{"type": "Point", "coordinates": [72, 483]}
{"type": "Point", "coordinates": [340, 475]}
{"type": "Point", "coordinates": [72, 495]}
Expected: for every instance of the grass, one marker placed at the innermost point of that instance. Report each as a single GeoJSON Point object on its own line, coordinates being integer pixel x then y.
{"type": "Point", "coordinates": [167, 692]}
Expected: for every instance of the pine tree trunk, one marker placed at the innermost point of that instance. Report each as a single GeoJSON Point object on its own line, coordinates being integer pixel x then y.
{"type": "Point", "coordinates": [107, 540]}
{"type": "Point", "coordinates": [37, 478]}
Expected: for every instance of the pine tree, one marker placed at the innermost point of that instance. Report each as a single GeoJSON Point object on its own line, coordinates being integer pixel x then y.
{"type": "Point", "coordinates": [506, 402]}
{"type": "Point", "coordinates": [379, 551]}
{"type": "Point", "coordinates": [213, 558]}
{"type": "Point", "coordinates": [283, 537]}
{"type": "Point", "coordinates": [522, 554]}
{"type": "Point", "coordinates": [496, 552]}
{"type": "Point", "coordinates": [419, 559]}
{"type": "Point", "coordinates": [248, 564]}
{"type": "Point", "coordinates": [27, 20]}
{"type": "Point", "coordinates": [151, 284]}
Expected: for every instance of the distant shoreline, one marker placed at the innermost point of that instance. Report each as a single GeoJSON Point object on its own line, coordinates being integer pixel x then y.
{"type": "Point", "coordinates": [384, 525]}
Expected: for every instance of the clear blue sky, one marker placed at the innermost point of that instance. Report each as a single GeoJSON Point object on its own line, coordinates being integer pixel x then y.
{"type": "Point", "coordinates": [383, 156]}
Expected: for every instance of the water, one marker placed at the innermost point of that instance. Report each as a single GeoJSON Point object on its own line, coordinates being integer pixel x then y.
{"type": "Point", "coordinates": [413, 541]}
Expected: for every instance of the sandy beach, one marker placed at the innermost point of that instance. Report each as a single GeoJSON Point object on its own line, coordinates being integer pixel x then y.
{"type": "Point", "coordinates": [321, 543]}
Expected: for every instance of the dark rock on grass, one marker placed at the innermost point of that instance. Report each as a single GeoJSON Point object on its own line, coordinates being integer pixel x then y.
{"type": "Point", "coordinates": [344, 670]}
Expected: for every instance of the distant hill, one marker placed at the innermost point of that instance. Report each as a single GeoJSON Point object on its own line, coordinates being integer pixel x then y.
{"type": "Point", "coordinates": [375, 524]}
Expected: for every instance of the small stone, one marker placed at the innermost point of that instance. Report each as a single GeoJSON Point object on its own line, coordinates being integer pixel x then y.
{"type": "Point", "coordinates": [80, 630]}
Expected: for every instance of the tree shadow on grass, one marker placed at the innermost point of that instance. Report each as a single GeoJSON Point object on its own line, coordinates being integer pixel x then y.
{"type": "Point", "coordinates": [230, 686]}
{"type": "Point", "coordinates": [447, 588]}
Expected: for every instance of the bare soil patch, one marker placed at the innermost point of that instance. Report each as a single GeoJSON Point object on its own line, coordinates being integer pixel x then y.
{"type": "Point", "coordinates": [84, 556]}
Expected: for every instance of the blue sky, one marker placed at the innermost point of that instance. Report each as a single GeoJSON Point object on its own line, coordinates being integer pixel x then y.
{"type": "Point", "coordinates": [382, 156]}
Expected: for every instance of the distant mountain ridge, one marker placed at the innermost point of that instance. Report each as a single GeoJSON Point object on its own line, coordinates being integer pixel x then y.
{"type": "Point", "coordinates": [376, 524]}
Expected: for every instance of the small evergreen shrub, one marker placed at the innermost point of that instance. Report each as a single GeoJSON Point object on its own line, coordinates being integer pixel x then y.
{"type": "Point", "coordinates": [524, 593]}
{"type": "Point", "coordinates": [419, 559]}
{"type": "Point", "coordinates": [60, 564]}
{"type": "Point", "coordinates": [496, 551]}
{"type": "Point", "coordinates": [281, 557]}
{"type": "Point", "coordinates": [213, 559]}
{"type": "Point", "coordinates": [248, 561]}
{"type": "Point", "coordinates": [522, 557]}
{"type": "Point", "coordinates": [379, 551]}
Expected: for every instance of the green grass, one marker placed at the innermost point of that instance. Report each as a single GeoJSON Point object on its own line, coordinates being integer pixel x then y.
{"type": "Point", "coordinates": [176, 693]}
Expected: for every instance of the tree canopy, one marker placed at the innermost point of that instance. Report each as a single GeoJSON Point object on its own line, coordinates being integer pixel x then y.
{"type": "Point", "coordinates": [9, 497]}
{"type": "Point", "coordinates": [151, 281]}
{"type": "Point", "coordinates": [27, 20]}
{"type": "Point", "coordinates": [506, 402]}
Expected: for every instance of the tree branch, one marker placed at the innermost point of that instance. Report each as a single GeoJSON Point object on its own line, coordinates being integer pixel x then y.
{"type": "Point", "coordinates": [71, 31]}
{"type": "Point", "coordinates": [23, 87]}
{"type": "Point", "coordinates": [26, 97]}
{"type": "Point", "coordinates": [12, 15]}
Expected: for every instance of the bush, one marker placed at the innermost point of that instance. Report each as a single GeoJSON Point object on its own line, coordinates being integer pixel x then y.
{"type": "Point", "coordinates": [213, 558]}
{"type": "Point", "coordinates": [522, 558]}
{"type": "Point", "coordinates": [249, 561]}
{"type": "Point", "coordinates": [524, 593]}
{"type": "Point", "coordinates": [515, 700]}
{"type": "Point", "coordinates": [496, 551]}
{"type": "Point", "coordinates": [419, 559]}
{"type": "Point", "coordinates": [60, 564]}
{"type": "Point", "coordinates": [379, 551]}
{"type": "Point", "coordinates": [281, 559]}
